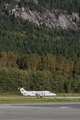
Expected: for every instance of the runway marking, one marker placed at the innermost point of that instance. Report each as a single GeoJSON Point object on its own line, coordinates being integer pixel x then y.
{"type": "Point", "coordinates": [64, 107]}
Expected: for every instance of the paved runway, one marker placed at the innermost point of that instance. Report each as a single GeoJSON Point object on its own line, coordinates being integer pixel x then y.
{"type": "Point", "coordinates": [41, 111]}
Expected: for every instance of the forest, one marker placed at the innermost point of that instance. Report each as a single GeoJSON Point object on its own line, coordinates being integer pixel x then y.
{"type": "Point", "coordinates": [23, 37]}
{"type": "Point", "coordinates": [68, 5]}
{"type": "Point", "coordinates": [39, 72]}
{"type": "Point", "coordinates": [37, 57]}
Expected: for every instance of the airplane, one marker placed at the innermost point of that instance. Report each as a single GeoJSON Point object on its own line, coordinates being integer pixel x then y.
{"type": "Point", "coordinates": [37, 93]}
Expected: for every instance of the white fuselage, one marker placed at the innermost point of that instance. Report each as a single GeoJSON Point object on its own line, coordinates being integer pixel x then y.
{"type": "Point", "coordinates": [36, 93]}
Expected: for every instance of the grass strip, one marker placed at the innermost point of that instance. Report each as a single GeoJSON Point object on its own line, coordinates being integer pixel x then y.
{"type": "Point", "coordinates": [18, 99]}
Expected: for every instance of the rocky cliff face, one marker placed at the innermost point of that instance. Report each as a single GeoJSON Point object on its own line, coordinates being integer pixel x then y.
{"type": "Point", "coordinates": [49, 18]}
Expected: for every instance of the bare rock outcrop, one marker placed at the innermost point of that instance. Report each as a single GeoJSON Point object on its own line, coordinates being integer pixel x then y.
{"type": "Point", "coordinates": [48, 18]}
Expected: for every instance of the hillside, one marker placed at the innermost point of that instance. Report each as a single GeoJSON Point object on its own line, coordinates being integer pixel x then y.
{"type": "Point", "coordinates": [40, 45]}
{"type": "Point", "coordinates": [27, 30]}
{"type": "Point", "coordinates": [53, 13]}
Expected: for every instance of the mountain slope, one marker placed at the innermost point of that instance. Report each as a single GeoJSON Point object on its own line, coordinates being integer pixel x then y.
{"type": "Point", "coordinates": [53, 13]}
{"type": "Point", "coordinates": [27, 27]}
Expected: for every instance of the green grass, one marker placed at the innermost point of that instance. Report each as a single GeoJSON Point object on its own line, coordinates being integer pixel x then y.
{"type": "Point", "coordinates": [22, 99]}
{"type": "Point", "coordinates": [7, 98]}
{"type": "Point", "coordinates": [68, 94]}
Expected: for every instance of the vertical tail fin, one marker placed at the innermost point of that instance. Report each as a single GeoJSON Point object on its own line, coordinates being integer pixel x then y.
{"type": "Point", "coordinates": [24, 92]}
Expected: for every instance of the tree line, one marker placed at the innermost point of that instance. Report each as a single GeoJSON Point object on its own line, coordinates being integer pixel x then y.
{"type": "Point", "coordinates": [35, 72]}
{"type": "Point", "coordinates": [55, 64]}
{"type": "Point", "coordinates": [11, 79]}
